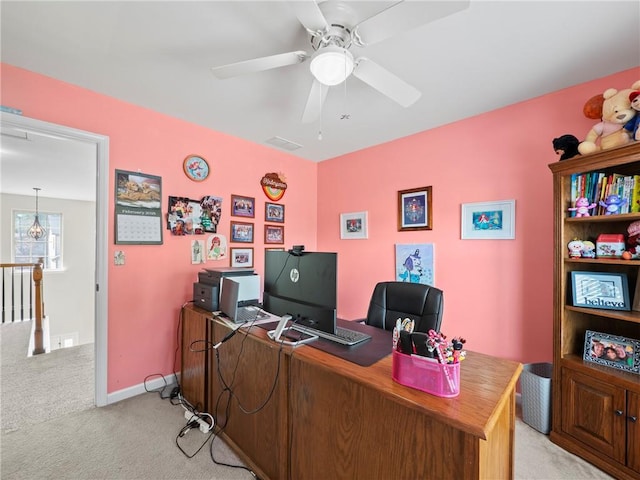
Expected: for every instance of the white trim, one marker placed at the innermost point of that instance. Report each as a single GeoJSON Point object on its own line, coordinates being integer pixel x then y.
{"type": "Point", "coordinates": [139, 389]}
{"type": "Point", "coordinates": [19, 122]}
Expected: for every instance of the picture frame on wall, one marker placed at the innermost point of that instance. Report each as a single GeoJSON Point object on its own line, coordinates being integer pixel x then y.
{"type": "Point", "coordinates": [243, 206]}
{"type": "Point", "coordinates": [242, 257]}
{"type": "Point", "coordinates": [242, 232]}
{"type": "Point", "coordinates": [353, 225]}
{"type": "Point", "coordinates": [605, 290]}
{"type": "Point", "coordinates": [273, 234]}
{"type": "Point", "coordinates": [612, 351]}
{"type": "Point", "coordinates": [415, 207]}
{"type": "Point", "coordinates": [488, 220]}
{"type": "Point", "coordinates": [273, 212]}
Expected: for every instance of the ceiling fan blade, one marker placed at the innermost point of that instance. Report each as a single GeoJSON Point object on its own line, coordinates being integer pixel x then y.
{"type": "Point", "coordinates": [403, 16]}
{"type": "Point", "coordinates": [259, 64]}
{"type": "Point", "coordinates": [386, 82]}
{"type": "Point", "coordinates": [316, 99]}
{"type": "Point", "coordinates": [309, 15]}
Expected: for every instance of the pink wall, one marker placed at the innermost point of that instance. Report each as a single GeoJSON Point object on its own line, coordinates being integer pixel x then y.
{"type": "Point", "coordinates": [498, 293]}
{"type": "Point", "coordinates": [145, 295]}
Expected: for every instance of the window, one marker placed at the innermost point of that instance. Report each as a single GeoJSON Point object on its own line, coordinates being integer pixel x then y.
{"type": "Point", "coordinates": [49, 247]}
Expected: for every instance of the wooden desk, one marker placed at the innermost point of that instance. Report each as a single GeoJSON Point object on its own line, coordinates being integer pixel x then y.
{"type": "Point", "coordinates": [330, 418]}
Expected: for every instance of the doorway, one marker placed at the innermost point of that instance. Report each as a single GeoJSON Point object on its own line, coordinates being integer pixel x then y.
{"type": "Point", "coordinates": [19, 125]}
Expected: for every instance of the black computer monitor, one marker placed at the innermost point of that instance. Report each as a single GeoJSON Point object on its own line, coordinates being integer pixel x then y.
{"type": "Point", "coordinates": [303, 285]}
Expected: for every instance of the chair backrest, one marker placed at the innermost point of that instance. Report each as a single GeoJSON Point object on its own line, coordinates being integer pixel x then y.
{"type": "Point", "coordinates": [393, 300]}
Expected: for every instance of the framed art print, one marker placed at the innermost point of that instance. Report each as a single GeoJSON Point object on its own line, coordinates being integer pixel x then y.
{"type": "Point", "coordinates": [609, 291]}
{"type": "Point", "coordinates": [612, 351]}
{"type": "Point", "coordinates": [415, 209]}
{"type": "Point", "coordinates": [353, 225]}
{"type": "Point", "coordinates": [273, 212]}
{"type": "Point", "coordinates": [274, 234]}
{"type": "Point", "coordinates": [195, 168]}
{"type": "Point", "coordinates": [242, 257]}
{"type": "Point", "coordinates": [242, 232]}
{"type": "Point", "coordinates": [243, 206]}
{"type": "Point", "coordinates": [488, 220]}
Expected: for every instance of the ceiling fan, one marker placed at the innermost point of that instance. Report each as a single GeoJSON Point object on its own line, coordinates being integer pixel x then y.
{"type": "Point", "coordinates": [332, 32]}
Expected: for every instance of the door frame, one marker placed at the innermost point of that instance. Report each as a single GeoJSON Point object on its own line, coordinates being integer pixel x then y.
{"type": "Point", "coordinates": [26, 124]}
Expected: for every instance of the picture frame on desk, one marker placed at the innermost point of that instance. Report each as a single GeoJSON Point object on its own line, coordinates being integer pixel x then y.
{"type": "Point", "coordinates": [604, 290]}
{"type": "Point", "coordinates": [242, 257]}
{"type": "Point", "coordinates": [415, 209]}
{"type": "Point", "coordinates": [488, 220]}
{"type": "Point", "coordinates": [612, 351]}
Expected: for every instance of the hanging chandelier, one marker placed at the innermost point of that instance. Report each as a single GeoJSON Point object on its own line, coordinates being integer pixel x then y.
{"type": "Point", "coordinates": [36, 231]}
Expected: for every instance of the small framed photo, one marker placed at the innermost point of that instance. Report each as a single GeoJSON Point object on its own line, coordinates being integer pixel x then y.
{"type": "Point", "coordinates": [242, 232]}
{"type": "Point", "coordinates": [353, 225]}
{"type": "Point", "coordinates": [600, 290]}
{"type": "Point", "coordinates": [613, 351]}
{"type": "Point", "coordinates": [242, 257]}
{"type": "Point", "coordinates": [273, 212]}
{"type": "Point", "coordinates": [243, 206]}
{"type": "Point", "coordinates": [488, 220]}
{"type": "Point", "coordinates": [415, 209]}
{"type": "Point", "coordinates": [273, 234]}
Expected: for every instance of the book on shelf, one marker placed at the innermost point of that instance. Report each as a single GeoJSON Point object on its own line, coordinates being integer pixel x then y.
{"type": "Point", "coordinates": [597, 186]}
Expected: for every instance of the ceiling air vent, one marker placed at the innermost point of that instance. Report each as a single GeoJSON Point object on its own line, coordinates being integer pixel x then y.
{"type": "Point", "coordinates": [284, 144]}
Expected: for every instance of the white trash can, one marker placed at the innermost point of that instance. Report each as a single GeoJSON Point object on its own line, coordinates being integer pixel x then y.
{"type": "Point", "coordinates": [536, 395]}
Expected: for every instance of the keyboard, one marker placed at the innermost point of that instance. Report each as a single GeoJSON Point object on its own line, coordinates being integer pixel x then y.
{"type": "Point", "coordinates": [249, 314]}
{"type": "Point", "coordinates": [343, 336]}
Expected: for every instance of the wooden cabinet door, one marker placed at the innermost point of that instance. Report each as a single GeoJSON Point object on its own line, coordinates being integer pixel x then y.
{"type": "Point", "coordinates": [192, 377]}
{"type": "Point", "coordinates": [633, 431]}
{"type": "Point", "coordinates": [593, 412]}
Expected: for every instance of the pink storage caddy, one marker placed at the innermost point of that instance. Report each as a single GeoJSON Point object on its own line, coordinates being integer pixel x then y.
{"type": "Point", "coordinates": [426, 374]}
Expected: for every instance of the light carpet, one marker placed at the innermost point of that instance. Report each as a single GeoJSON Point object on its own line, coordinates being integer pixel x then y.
{"type": "Point", "coordinates": [57, 433]}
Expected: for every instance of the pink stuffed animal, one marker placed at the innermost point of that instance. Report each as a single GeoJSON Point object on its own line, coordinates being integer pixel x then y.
{"type": "Point", "coordinates": [582, 207]}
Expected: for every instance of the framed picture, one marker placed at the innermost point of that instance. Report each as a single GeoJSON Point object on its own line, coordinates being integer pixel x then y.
{"type": "Point", "coordinates": [275, 249]}
{"type": "Point", "coordinates": [415, 209]}
{"type": "Point", "coordinates": [489, 220]}
{"type": "Point", "coordinates": [242, 232]}
{"type": "Point", "coordinates": [353, 225]}
{"type": "Point", "coordinates": [273, 234]}
{"type": "Point", "coordinates": [600, 290]}
{"type": "Point", "coordinates": [242, 257]}
{"type": "Point", "coordinates": [273, 212]}
{"type": "Point", "coordinates": [243, 206]}
{"type": "Point", "coordinates": [415, 263]}
{"type": "Point", "coordinates": [195, 168]}
{"type": "Point", "coordinates": [613, 351]}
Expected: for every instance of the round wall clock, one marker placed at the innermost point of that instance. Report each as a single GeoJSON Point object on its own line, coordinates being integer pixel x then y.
{"type": "Point", "coordinates": [196, 168]}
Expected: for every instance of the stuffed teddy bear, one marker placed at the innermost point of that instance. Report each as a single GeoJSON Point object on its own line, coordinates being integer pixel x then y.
{"type": "Point", "coordinates": [566, 146]}
{"type": "Point", "coordinates": [610, 132]}
{"type": "Point", "coordinates": [633, 125]}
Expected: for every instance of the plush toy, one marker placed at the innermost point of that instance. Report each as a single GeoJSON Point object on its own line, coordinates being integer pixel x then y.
{"type": "Point", "coordinates": [612, 204]}
{"type": "Point", "coordinates": [633, 125]}
{"type": "Point", "coordinates": [575, 247]}
{"type": "Point", "coordinates": [566, 146]}
{"type": "Point", "coordinates": [616, 112]}
{"type": "Point", "coordinates": [588, 249]}
{"type": "Point", "coordinates": [582, 207]}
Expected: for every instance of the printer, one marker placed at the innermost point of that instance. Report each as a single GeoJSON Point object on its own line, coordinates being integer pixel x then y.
{"type": "Point", "coordinates": [207, 290]}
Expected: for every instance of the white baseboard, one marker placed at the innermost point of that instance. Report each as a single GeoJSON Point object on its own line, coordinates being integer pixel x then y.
{"type": "Point", "coordinates": [156, 384]}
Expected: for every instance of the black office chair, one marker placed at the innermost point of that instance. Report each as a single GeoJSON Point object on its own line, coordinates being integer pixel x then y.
{"type": "Point", "coordinates": [393, 300]}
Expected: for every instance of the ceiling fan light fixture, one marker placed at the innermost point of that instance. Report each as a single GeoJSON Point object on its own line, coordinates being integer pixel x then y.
{"type": "Point", "coordinates": [331, 65]}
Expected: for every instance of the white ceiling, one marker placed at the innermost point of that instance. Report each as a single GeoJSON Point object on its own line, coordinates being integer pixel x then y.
{"type": "Point", "coordinates": [159, 54]}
